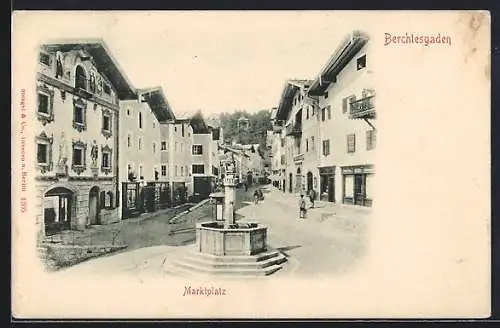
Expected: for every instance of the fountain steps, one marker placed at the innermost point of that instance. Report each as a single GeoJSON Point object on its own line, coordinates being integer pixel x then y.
{"type": "Point", "coordinates": [259, 265]}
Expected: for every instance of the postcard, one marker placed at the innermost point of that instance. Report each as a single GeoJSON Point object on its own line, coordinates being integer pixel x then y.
{"type": "Point", "coordinates": [251, 164]}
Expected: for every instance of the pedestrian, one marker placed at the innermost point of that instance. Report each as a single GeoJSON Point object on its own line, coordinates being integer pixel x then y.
{"type": "Point", "coordinates": [246, 186]}
{"type": "Point", "coordinates": [302, 207]}
{"type": "Point", "coordinates": [312, 197]}
{"type": "Point", "coordinates": [256, 196]}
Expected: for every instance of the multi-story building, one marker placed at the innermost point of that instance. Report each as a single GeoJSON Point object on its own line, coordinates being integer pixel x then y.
{"type": "Point", "coordinates": [216, 141]}
{"type": "Point", "coordinates": [140, 147]}
{"type": "Point", "coordinates": [297, 116]}
{"type": "Point", "coordinates": [176, 160]}
{"type": "Point", "coordinates": [79, 85]}
{"type": "Point", "coordinates": [344, 89]}
{"type": "Point", "coordinates": [278, 159]}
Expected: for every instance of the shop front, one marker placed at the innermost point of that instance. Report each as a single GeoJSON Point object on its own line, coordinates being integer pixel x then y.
{"type": "Point", "coordinates": [357, 185]}
{"type": "Point", "coordinates": [327, 183]}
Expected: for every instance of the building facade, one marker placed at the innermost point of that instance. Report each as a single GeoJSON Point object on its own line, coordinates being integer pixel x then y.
{"type": "Point", "coordinates": [140, 145]}
{"type": "Point", "coordinates": [176, 159]}
{"type": "Point", "coordinates": [297, 123]}
{"type": "Point", "coordinates": [345, 93]}
{"type": "Point", "coordinates": [79, 85]}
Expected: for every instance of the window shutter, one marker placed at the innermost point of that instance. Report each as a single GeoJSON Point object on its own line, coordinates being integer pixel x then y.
{"type": "Point", "coordinates": [103, 199]}
{"type": "Point", "coordinates": [344, 105]}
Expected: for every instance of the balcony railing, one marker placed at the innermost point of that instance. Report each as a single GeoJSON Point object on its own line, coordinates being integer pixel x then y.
{"type": "Point", "coordinates": [294, 130]}
{"type": "Point", "coordinates": [363, 108]}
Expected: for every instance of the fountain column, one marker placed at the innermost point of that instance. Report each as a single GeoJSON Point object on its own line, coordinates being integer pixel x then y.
{"type": "Point", "coordinates": [229, 198]}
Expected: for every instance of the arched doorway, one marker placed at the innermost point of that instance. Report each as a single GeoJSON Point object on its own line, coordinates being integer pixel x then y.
{"type": "Point", "coordinates": [290, 184]}
{"type": "Point", "coordinates": [57, 210]}
{"type": "Point", "coordinates": [93, 217]}
{"type": "Point", "coordinates": [309, 181]}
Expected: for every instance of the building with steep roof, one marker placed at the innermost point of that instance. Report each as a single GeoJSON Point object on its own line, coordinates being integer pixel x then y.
{"type": "Point", "coordinates": [79, 86]}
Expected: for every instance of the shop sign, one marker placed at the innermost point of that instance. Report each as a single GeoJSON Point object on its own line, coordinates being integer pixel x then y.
{"type": "Point", "coordinates": [327, 170]}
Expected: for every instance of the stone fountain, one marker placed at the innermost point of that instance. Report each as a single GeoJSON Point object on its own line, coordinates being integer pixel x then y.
{"type": "Point", "coordinates": [229, 248]}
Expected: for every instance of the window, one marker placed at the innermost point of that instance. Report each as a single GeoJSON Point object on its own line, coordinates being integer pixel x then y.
{"type": "Point", "coordinates": [141, 171]}
{"type": "Point", "coordinates": [175, 170]}
{"type": "Point", "coordinates": [140, 143]}
{"type": "Point", "coordinates": [106, 159]}
{"type": "Point", "coordinates": [323, 114]}
{"type": "Point", "coordinates": [154, 125]}
{"type": "Point", "coordinates": [326, 147]}
{"type": "Point", "coordinates": [187, 170]}
{"type": "Point", "coordinates": [128, 112]}
{"type": "Point", "coordinates": [163, 145]}
{"type": "Point", "coordinates": [361, 62]}
{"type": "Point", "coordinates": [42, 153]}
{"type": "Point", "coordinates": [182, 130]}
{"type": "Point", "coordinates": [329, 110]}
{"type": "Point", "coordinates": [351, 143]}
{"type": "Point", "coordinates": [163, 170]}
{"type": "Point", "coordinates": [45, 98]}
{"type": "Point", "coordinates": [312, 143]}
{"type": "Point", "coordinates": [43, 103]}
{"type": "Point", "coordinates": [79, 108]}
{"type": "Point", "coordinates": [129, 143]}
{"type": "Point", "coordinates": [80, 78]}
{"type": "Point", "coordinates": [154, 147]}
{"type": "Point", "coordinates": [197, 149]}
{"type": "Point", "coordinates": [106, 123]}
{"type": "Point", "coordinates": [307, 113]}
{"type": "Point", "coordinates": [44, 58]}
{"type": "Point", "coordinates": [175, 128]}
{"type": "Point", "coordinates": [283, 159]}
{"type": "Point", "coordinates": [106, 88]}
{"type": "Point", "coordinates": [326, 95]}
{"type": "Point", "coordinates": [198, 169]}
{"type": "Point", "coordinates": [283, 142]}
{"type": "Point", "coordinates": [78, 153]}
{"type": "Point", "coordinates": [371, 138]}
{"type": "Point", "coordinates": [182, 171]}
{"type": "Point", "coordinates": [307, 145]}
{"type": "Point", "coordinates": [140, 120]}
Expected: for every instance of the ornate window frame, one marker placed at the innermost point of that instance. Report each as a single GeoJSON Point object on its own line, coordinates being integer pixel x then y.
{"type": "Point", "coordinates": [107, 113]}
{"type": "Point", "coordinates": [79, 102]}
{"type": "Point", "coordinates": [106, 150]}
{"type": "Point", "coordinates": [76, 167]}
{"type": "Point", "coordinates": [46, 91]}
{"type": "Point", "coordinates": [48, 141]}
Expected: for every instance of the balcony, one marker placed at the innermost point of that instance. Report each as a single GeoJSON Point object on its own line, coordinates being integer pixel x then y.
{"type": "Point", "coordinates": [294, 130]}
{"type": "Point", "coordinates": [363, 108]}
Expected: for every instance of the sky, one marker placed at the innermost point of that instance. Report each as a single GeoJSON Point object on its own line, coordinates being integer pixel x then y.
{"type": "Point", "coordinates": [211, 61]}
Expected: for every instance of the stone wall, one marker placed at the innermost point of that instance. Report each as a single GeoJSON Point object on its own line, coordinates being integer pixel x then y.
{"type": "Point", "coordinates": [56, 257]}
{"type": "Point", "coordinates": [187, 220]}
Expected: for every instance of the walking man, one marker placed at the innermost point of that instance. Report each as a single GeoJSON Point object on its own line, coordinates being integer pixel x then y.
{"type": "Point", "coordinates": [302, 207]}
{"type": "Point", "coordinates": [312, 197]}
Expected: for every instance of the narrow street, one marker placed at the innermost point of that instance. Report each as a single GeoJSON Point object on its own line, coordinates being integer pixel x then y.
{"type": "Point", "coordinates": [329, 241]}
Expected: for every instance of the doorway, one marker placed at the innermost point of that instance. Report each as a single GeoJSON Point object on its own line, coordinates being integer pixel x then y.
{"type": "Point", "coordinates": [309, 181]}
{"type": "Point", "coordinates": [57, 206]}
{"type": "Point", "coordinates": [331, 189]}
{"type": "Point", "coordinates": [359, 189]}
{"type": "Point", "coordinates": [94, 214]}
{"type": "Point", "coordinates": [290, 184]}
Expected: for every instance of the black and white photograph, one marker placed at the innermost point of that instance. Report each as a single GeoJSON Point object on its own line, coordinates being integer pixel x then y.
{"type": "Point", "coordinates": [250, 164]}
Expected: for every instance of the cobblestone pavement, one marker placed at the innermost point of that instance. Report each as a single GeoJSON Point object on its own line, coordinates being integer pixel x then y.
{"type": "Point", "coordinates": [329, 241]}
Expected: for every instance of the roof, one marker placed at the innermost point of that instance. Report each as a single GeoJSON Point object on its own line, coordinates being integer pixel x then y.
{"type": "Point", "coordinates": [347, 49]}
{"type": "Point", "coordinates": [158, 103]}
{"type": "Point", "coordinates": [289, 90]}
{"type": "Point", "coordinates": [104, 60]}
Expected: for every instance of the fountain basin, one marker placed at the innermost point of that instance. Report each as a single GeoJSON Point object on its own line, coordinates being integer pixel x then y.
{"type": "Point", "coordinates": [239, 239]}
